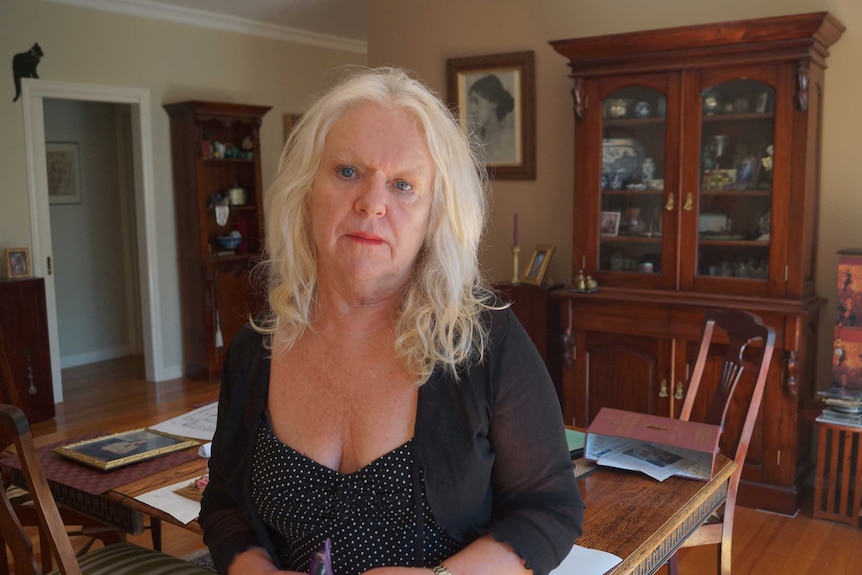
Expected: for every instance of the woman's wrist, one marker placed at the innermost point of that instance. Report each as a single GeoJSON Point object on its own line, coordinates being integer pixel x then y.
{"type": "Point", "coordinates": [251, 560]}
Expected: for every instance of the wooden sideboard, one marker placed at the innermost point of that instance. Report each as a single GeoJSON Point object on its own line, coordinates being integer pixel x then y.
{"type": "Point", "coordinates": [538, 313]}
{"type": "Point", "coordinates": [24, 321]}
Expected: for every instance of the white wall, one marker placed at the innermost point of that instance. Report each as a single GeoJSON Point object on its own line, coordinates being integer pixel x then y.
{"type": "Point", "coordinates": [175, 62]}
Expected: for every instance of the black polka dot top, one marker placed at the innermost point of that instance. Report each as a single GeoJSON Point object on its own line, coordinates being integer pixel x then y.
{"type": "Point", "coordinates": [374, 516]}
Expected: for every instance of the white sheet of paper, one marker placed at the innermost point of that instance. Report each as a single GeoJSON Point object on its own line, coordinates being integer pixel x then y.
{"type": "Point", "coordinates": [197, 424]}
{"type": "Point", "coordinates": [586, 561]}
{"type": "Point", "coordinates": [177, 506]}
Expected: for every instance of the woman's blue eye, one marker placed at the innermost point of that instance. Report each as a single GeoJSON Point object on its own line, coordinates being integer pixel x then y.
{"type": "Point", "coordinates": [346, 172]}
{"type": "Point", "coordinates": [403, 186]}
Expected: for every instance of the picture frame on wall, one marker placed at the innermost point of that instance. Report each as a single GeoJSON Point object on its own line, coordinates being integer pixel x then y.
{"type": "Point", "coordinates": [64, 175]}
{"type": "Point", "coordinates": [17, 263]}
{"type": "Point", "coordinates": [538, 265]}
{"type": "Point", "coordinates": [494, 98]}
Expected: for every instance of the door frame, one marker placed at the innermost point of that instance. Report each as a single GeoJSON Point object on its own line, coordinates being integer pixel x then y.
{"type": "Point", "coordinates": [33, 94]}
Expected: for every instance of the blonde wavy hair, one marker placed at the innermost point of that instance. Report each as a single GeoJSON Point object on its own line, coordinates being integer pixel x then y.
{"type": "Point", "coordinates": [440, 323]}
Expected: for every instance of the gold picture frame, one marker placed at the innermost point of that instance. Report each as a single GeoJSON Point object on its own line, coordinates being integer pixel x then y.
{"type": "Point", "coordinates": [124, 448]}
{"type": "Point", "coordinates": [494, 98]}
{"type": "Point", "coordinates": [538, 265]}
{"type": "Point", "coordinates": [17, 263]}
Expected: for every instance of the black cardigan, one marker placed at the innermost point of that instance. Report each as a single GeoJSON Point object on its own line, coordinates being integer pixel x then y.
{"type": "Point", "coordinates": [492, 448]}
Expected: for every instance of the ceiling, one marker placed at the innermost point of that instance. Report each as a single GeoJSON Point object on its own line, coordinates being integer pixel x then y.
{"type": "Point", "coordinates": [340, 18]}
{"type": "Point", "coordinates": [344, 19]}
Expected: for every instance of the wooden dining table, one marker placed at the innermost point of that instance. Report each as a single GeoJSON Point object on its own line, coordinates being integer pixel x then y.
{"type": "Point", "coordinates": [644, 521]}
{"type": "Point", "coordinates": [636, 518]}
{"type": "Point", "coordinates": [639, 519]}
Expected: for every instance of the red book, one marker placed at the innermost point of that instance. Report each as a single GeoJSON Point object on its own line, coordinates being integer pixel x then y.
{"type": "Point", "coordinates": [658, 446]}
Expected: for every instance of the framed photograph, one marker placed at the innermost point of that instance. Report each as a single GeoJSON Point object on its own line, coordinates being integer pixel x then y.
{"type": "Point", "coordinates": [609, 223]}
{"type": "Point", "coordinates": [64, 176]}
{"type": "Point", "coordinates": [119, 449]}
{"type": "Point", "coordinates": [538, 265]}
{"type": "Point", "coordinates": [762, 103]}
{"type": "Point", "coordinates": [290, 121]}
{"type": "Point", "coordinates": [495, 100]}
{"type": "Point", "coordinates": [18, 263]}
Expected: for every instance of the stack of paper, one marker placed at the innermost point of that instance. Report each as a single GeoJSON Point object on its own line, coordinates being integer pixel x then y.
{"type": "Point", "coordinates": [586, 561]}
{"type": "Point", "coordinates": [197, 424]}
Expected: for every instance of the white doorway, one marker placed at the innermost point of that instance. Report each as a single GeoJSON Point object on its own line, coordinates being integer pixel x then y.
{"type": "Point", "coordinates": [34, 93]}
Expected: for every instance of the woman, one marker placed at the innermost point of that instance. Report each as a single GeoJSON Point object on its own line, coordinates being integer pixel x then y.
{"type": "Point", "coordinates": [490, 106]}
{"type": "Point", "coordinates": [387, 402]}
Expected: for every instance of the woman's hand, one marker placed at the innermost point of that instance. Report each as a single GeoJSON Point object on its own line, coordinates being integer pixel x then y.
{"type": "Point", "coordinates": [484, 556]}
{"type": "Point", "coordinates": [255, 561]}
{"type": "Point", "coordinates": [398, 571]}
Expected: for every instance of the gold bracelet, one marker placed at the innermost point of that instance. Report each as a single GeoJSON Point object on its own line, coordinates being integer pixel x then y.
{"type": "Point", "coordinates": [441, 570]}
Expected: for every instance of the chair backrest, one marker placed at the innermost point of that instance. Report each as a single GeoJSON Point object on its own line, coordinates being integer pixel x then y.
{"type": "Point", "coordinates": [15, 431]}
{"type": "Point", "coordinates": [741, 329]}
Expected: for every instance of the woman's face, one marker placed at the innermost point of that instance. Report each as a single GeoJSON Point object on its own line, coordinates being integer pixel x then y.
{"type": "Point", "coordinates": [480, 110]}
{"type": "Point", "coordinates": [371, 201]}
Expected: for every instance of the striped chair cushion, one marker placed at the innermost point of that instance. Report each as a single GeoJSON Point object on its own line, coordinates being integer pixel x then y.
{"type": "Point", "coordinates": [130, 559]}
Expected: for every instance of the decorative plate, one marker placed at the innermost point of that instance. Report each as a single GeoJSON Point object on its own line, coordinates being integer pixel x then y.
{"type": "Point", "coordinates": [621, 156]}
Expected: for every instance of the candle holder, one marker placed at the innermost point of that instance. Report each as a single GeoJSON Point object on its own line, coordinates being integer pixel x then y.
{"type": "Point", "coordinates": [515, 267]}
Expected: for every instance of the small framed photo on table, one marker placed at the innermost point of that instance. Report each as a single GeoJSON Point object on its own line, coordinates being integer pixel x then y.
{"type": "Point", "coordinates": [538, 265]}
{"type": "Point", "coordinates": [17, 263]}
{"type": "Point", "coordinates": [119, 449]}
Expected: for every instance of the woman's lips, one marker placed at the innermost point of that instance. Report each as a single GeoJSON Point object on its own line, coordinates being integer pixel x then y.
{"type": "Point", "coordinates": [365, 237]}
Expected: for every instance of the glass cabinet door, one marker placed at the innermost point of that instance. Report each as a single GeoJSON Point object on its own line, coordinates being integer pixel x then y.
{"type": "Point", "coordinates": [735, 188]}
{"type": "Point", "coordinates": [631, 217]}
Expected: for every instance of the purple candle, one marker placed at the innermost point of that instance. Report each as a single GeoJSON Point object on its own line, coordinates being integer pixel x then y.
{"type": "Point", "coordinates": [515, 230]}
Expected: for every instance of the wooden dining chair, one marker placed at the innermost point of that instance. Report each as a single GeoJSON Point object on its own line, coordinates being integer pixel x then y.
{"type": "Point", "coordinates": [80, 525]}
{"type": "Point", "coordinates": [736, 342]}
{"type": "Point", "coordinates": [120, 557]}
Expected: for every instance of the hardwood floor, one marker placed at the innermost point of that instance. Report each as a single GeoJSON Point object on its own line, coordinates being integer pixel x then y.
{"type": "Point", "coordinates": [764, 543]}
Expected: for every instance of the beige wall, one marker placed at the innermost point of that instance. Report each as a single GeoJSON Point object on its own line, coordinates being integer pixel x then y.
{"type": "Point", "coordinates": [175, 62]}
{"type": "Point", "coordinates": [422, 34]}
{"type": "Point", "coordinates": [178, 62]}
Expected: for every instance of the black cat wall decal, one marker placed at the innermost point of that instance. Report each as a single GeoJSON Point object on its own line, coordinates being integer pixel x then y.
{"type": "Point", "coordinates": [24, 66]}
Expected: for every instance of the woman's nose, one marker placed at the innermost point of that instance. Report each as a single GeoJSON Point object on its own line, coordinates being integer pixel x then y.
{"type": "Point", "coordinates": [372, 196]}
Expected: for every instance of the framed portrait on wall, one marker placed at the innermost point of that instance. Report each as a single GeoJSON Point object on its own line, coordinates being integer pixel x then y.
{"type": "Point", "coordinates": [64, 178]}
{"type": "Point", "coordinates": [495, 100]}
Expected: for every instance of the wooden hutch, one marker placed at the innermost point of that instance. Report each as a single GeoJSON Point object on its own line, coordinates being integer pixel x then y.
{"type": "Point", "coordinates": [696, 183]}
{"type": "Point", "coordinates": [215, 150]}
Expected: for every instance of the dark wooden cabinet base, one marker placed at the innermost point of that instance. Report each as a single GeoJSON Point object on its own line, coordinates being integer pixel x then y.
{"type": "Point", "coordinates": [24, 322]}
{"type": "Point", "coordinates": [634, 349]}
